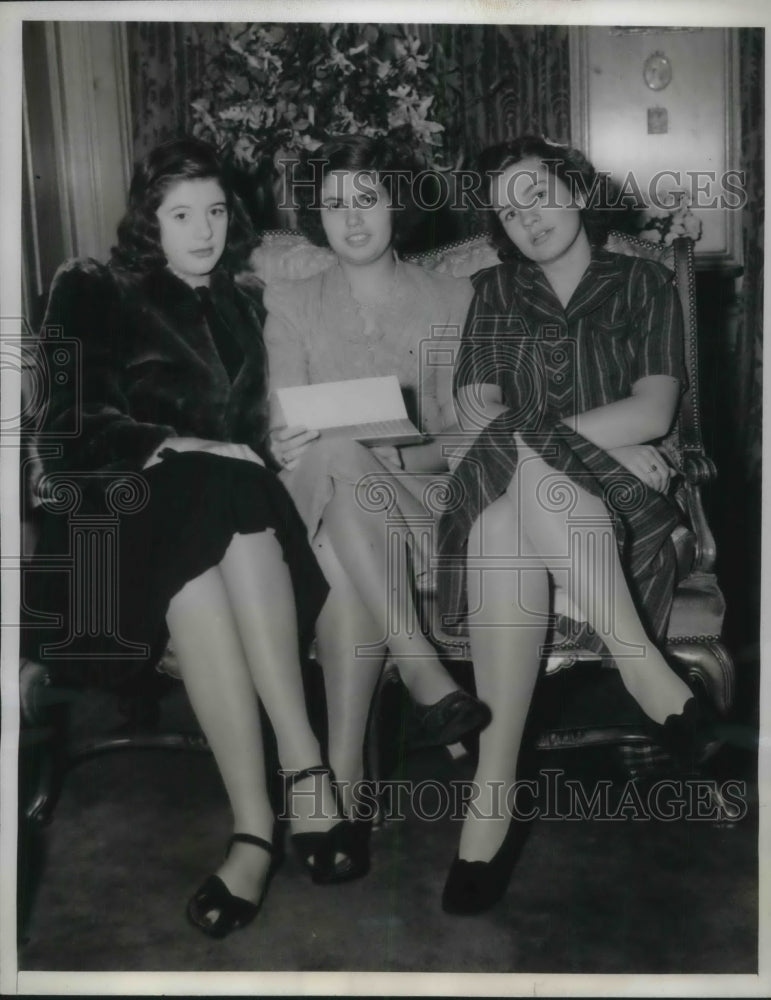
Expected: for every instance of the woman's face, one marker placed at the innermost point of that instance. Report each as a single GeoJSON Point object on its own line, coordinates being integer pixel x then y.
{"type": "Point", "coordinates": [193, 218]}
{"type": "Point", "coordinates": [356, 216]}
{"type": "Point", "coordinates": [537, 211]}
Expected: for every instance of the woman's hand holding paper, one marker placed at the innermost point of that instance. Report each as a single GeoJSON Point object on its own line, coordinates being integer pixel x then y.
{"type": "Point", "coordinates": [288, 444]}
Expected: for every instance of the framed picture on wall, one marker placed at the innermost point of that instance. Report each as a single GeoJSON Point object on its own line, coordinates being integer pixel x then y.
{"type": "Point", "coordinates": [657, 108]}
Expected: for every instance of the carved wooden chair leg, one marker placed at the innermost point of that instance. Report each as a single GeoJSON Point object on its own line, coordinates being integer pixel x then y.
{"type": "Point", "coordinates": [43, 756]}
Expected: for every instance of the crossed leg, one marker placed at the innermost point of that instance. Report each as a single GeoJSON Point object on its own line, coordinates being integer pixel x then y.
{"type": "Point", "coordinates": [512, 546]}
{"type": "Point", "coordinates": [361, 549]}
{"type": "Point", "coordinates": [234, 632]}
{"type": "Point", "coordinates": [596, 581]}
{"type": "Point", "coordinates": [370, 545]}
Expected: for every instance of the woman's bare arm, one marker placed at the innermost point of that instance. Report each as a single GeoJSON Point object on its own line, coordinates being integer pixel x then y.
{"type": "Point", "coordinates": [644, 416]}
{"type": "Point", "coordinates": [622, 428]}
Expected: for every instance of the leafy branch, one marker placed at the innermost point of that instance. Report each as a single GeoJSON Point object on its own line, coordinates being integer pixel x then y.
{"type": "Point", "coordinates": [274, 91]}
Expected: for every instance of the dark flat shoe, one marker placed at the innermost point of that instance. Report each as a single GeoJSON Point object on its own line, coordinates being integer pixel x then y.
{"type": "Point", "coordinates": [215, 910]}
{"type": "Point", "coordinates": [474, 886]}
{"type": "Point", "coordinates": [449, 720]}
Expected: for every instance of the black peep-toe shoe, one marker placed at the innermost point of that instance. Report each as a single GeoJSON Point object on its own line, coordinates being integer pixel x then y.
{"type": "Point", "coordinates": [449, 720]}
{"type": "Point", "coordinates": [319, 851]}
{"type": "Point", "coordinates": [474, 886]}
{"type": "Point", "coordinates": [215, 910]}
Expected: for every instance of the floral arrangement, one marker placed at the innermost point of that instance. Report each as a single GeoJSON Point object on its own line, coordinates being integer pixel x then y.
{"type": "Point", "coordinates": [274, 91]}
{"type": "Point", "coordinates": [664, 227]}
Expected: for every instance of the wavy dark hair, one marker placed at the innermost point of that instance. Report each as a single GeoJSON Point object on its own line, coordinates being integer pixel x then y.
{"type": "Point", "coordinates": [564, 162]}
{"type": "Point", "coordinates": [139, 235]}
{"type": "Point", "coordinates": [391, 162]}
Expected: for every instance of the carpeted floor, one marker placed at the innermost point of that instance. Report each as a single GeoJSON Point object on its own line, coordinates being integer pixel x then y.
{"type": "Point", "coordinates": [104, 887]}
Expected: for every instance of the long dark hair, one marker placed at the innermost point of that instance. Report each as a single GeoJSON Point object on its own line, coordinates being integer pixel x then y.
{"type": "Point", "coordinates": [391, 162]}
{"type": "Point", "coordinates": [564, 162]}
{"type": "Point", "coordinates": [139, 235]}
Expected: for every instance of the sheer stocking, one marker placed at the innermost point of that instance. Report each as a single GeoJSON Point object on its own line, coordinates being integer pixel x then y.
{"type": "Point", "coordinates": [378, 572]}
{"type": "Point", "coordinates": [343, 627]}
{"type": "Point", "coordinates": [595, 579]}
{"type": "Point", "coordinates": [509, 604]}
{"type": "Point", "coordinates": [234, 632]}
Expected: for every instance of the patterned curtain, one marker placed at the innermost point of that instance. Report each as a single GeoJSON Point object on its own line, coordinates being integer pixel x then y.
{"type": "Point", "coordinates": [510, 80]}
{"type": "Point", "coordinates": [504, 80]}
{"type": "Point", "coordinates": [166, 66]}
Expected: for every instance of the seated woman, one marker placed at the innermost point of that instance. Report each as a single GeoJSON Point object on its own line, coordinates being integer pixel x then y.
{"type": "Point", "coordinates": [365, 316]}
{"type": "Point", "coordinates": [168, 399]}
{"type": "Point", "coordinates": [570, 367]}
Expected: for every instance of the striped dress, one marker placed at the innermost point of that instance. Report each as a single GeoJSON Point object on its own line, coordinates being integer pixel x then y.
{"type": "Point", "coordinates": [622, 323]}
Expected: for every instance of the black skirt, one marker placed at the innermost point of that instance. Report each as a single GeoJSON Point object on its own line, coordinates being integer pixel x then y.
{"type": "Point", "coordinates": [95, 595]}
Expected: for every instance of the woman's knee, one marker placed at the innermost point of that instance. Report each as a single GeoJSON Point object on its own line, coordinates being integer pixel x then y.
{"type": "Point", "coordinates": [497, 525]}
{"type": "Point", "coordinates": [344, 453]}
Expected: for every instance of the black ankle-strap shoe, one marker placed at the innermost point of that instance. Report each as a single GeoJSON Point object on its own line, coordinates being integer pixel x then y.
{"type": "Point", "coordinates": [215, 910]}
{"type": "Point", "coordinates": [339, 854]}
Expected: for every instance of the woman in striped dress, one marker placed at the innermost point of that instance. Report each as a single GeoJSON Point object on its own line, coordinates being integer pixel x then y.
{"type": "Point", "coordinates": [570, 367]}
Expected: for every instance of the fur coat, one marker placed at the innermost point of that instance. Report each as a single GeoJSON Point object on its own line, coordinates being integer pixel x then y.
{"type": "Point", "coordinates": [140, 364]}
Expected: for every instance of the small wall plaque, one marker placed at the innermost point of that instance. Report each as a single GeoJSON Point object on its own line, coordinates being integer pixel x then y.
{"type": "Point", "coordinates": [658, 121]}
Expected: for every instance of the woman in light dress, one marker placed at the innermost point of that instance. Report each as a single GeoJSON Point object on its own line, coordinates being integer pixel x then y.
{"type": "Point", "coordinates": [368, 314]}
